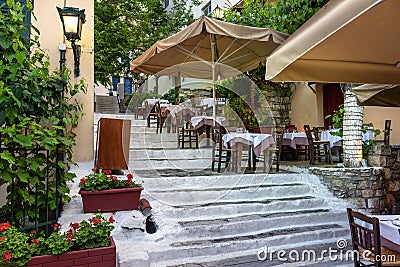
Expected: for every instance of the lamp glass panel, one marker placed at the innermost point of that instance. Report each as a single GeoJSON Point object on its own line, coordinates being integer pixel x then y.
{"type": "Point", "coordinates": [71, 24]}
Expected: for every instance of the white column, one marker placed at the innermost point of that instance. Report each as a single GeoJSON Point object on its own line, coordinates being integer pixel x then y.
{"type": "Point", "coordinates": [352, 129]}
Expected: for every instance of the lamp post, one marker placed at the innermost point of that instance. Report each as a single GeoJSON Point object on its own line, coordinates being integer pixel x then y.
{"type": "Point", "coordinates": [72, 19]}
{"type": "Point", "coordinates": [218, 12]}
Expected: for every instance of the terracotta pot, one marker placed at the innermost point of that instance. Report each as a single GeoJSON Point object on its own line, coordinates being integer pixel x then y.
{"type": "Point", "coordinates": [100, 257]}
{"type": "Point", "coordinates": [111, 200]}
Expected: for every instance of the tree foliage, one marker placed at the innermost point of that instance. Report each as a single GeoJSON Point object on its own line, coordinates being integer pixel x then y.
{"type": "Point", "coordinates": [124, 29]}
{"type": "Point", "coordinates": [281, 15]}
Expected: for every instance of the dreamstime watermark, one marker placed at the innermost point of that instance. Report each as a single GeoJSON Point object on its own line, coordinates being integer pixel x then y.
{"type": "Point", "coordinates": [339, 253]}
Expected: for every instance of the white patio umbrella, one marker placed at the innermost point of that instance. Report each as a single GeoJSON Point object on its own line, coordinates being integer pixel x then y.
{"type": "Point", "coordinates": [211, 43]}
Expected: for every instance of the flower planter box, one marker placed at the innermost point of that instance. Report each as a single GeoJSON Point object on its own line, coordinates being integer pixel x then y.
{"type": "Point", "coordinates": [99, 257]}
{"type": "Point", "coordinates": [111, 200]}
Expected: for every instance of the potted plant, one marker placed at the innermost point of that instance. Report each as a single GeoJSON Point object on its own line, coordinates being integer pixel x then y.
{"type": "Point", "coordinates": [103, 191]}
{"type": "Point", "coordinates": [87, 242]}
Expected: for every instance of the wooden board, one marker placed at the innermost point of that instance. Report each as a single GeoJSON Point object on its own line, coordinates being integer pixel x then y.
{"type": "Point", "coordinates": [113, 144]}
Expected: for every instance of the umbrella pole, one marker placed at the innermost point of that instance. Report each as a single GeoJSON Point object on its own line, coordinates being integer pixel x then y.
{"type": "Point", "coordinates": [214, 59]}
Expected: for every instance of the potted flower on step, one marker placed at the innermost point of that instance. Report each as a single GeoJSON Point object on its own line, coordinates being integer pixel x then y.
{"type": "Point", "coordinates": [86, 243]}
{"type": "Point", "coordinates": [102, 191]}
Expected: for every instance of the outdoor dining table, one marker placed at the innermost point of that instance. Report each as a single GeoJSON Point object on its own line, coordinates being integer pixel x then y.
{"type": "Point", "coordinates": [390, 233]}
{"type": "Point", "coordinates": [294, 139]}
{"type": "Point", "coordinates": [335, 140]}
{"type": "Point", "coordinates": [258, 143]}
{"type": "Point", "coordinates": [201, 123]}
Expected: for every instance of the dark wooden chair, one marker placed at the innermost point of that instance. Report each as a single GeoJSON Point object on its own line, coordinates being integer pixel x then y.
{"type": "Point", "coordinates": [187, 134]}
{"type": "Point", "coordinates": [272, 155]}
{"type": "Point", "coordinates": [317, 132]}
{"type": "Point", "coordinates": [150, 113]}
{"type": "Point", "coordinates": [161, 117]}
{"type": "Point", "coordinates": [221, 154]}
{"type": "Point", "coordinates": [368, 238]}
{"type": "Point", "coordinates": [386, 134]}
{"type": "Point", "coordinates": [318, 148]}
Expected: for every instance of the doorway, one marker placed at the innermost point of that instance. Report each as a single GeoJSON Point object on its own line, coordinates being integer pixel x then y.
{"type": "Point", "coordinates": [332, 99]}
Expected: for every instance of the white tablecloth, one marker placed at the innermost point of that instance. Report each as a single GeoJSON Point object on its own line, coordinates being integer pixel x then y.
{"type": "Point", "coordinates": [388, 230]}
{"type": "Point", "coordinates": [260, 142]}
{"type": "Point", "coordinates": [293, 139]}
{"type": "Point", "coordinates": [337, 140]}
{"type": "Point", "coordinates": [199, 121]}
{"type": "Point", "coordinates": [152, 102]}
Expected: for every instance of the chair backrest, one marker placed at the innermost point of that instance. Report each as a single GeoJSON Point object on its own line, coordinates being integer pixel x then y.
{"type": "Point", "coordinates": [157, 109]}
{"type": "Point", "coordinates": [386, 135]}
{"type": "Point", "coordinates": [290, 128]}
{"type": "Point", "coordinates": [307, 130]}
{"type": "Point", "coordinates": [317, 132]}
{"type": "Point", "coordinates": [365, 235]}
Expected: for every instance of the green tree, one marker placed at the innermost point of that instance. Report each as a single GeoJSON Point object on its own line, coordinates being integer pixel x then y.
{"type": "Point", "coordinates": [124, 29]}
{"type": "Point", "coordinates": [282, 15]}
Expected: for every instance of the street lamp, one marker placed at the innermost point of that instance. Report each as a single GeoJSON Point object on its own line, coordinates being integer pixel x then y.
{"type": "Point", "coordinates": [218, 12]}
{"type": "Point", "coordinates": [72, 19]}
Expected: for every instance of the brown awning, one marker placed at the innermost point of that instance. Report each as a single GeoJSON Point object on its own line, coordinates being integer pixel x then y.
{"type": "Point", "coordinates": [351, 41]}
{"type": "Point", "coordinates": [378, 95]}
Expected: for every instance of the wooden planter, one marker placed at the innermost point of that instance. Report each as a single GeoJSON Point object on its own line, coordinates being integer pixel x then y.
{"type": "Point", "coordinates": [111, 200]}
{"type": "Point", "coordinates": [99, 257]}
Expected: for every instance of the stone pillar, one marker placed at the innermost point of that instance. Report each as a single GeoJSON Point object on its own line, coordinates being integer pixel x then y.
{"type": "Point", "coordinates": [352, 129]}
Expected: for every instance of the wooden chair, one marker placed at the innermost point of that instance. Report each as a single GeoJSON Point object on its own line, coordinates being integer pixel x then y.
{"type": "Point", "coordinates": [273, 154]}
{"type": "Point", "coordinates": [318, 148]}
{"type": "Point", "coordinates": [365, 238]}
{"type": "Point", "coordinates": [161, 117]}
{"type": "Point", "coordinates": [187, 134]}
{"type": "Point", "coordinates": [151, 113]}
{"type": "Point", "coordinates": [221, 154]}
{"type": "Point", "coordinates": [290, 128]}
{"type": "Point", "coordinates": [386, 134]}
{"type": "Point", "coordinates": [302, 151]}
{"type": "Point", "coordinates": [317, 132]}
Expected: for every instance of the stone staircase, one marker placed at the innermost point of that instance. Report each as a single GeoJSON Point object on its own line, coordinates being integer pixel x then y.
{"type": "Point", "coordinates": [210, 219]}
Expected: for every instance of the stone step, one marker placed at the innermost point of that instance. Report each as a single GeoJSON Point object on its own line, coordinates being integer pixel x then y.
{"type": "Point", "coordinates": [250, 241]}
{"type": "Point", "coordinates": [233, 194]}
{"type": "Point", "coordinates": [137, 154]}
{"type": "Point", "coordinates": [250, 258]}
{"type": "Point", "coordinates": [183, 164]}
{"type": "Point", "coordinates": [214, 180]}
{"type": "Point", "coordinates": [185, 213]}
{"type": "Point", "coordinates": [231, 227]}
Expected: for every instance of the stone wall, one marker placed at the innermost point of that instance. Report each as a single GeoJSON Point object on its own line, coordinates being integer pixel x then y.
{"type": "Point", "coordinates": [388, 157]}
{"type": "Point", "coordinates": [364, 187]}
{"type": "Point", "coordinates": [279, 102]}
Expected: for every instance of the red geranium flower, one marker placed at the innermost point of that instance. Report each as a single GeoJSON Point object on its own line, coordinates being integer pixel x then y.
{"type": "Point", "coordinates": [4, 226]}
{"type": "Point", "coordinates": [74, 225]}
{"type": "Point", "coordinates": [7, 256]}
{"type": "Point", "coordinates": [111, 219]}
{"type": "Point", "coordinates": [3, 238]}
{"type": "Point", "coordinates": [83, 180]}
{"type": "Point", "coordinates": [128, 182]}
{"type": "Point", "coordinates": [130, 176]}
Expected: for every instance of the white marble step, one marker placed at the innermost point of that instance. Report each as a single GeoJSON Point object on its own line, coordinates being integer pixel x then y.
{"type": "Point", "coordinates": [162, 252]}
{"type": "Point", "coordinates": [137, 154]}
{"type": "Point", "coordinates": [226, 196]}
{"type": "Point", "coordinates": [181, 164]}
{"type": "Point", "coordinates": [222, 181]}
{"type": "Point", "coordinates": [201, 230]}
{"type": "Point", "coordinates": [249, 258]}
{"type": "Point", "coordinates": [189, 213]}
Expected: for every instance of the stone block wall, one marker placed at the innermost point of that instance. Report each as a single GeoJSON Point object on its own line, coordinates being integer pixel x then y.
{"type": "Point", "coordinates": [364, 187]}
{"type": "Point", "coordinates": [388, 157]}
{"type": "Point", "coordinates": [279, 102]}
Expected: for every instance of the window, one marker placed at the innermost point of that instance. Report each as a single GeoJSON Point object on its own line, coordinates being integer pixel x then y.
{"type": "Point", "coordinates": [206, 10]}
{"type": "Point", "coordinates": [26, 33]}
{"type": "Point", "coordinates": [166, 3]}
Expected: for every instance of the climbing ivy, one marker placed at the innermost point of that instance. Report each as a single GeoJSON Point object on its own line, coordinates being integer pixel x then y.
{"type": "Point", "coordinates": [38, 112]}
